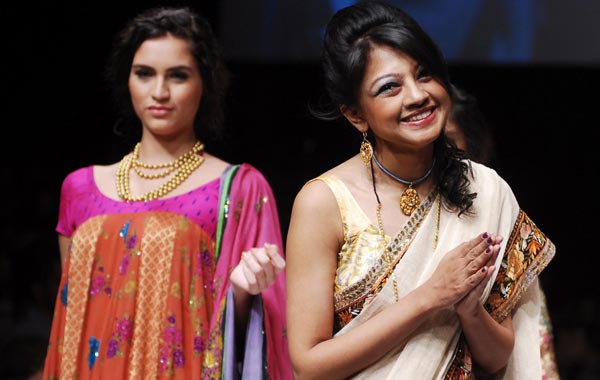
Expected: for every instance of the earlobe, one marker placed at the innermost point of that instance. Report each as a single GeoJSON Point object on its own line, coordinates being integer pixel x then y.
{"type": "Point", "coordinates": [354, 117]}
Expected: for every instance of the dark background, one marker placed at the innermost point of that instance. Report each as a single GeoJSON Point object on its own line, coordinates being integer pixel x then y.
{"type": "Point", "coordinates": [57, 117]}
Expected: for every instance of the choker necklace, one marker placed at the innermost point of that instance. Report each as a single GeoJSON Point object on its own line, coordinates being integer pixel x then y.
{"type": "Point", "coordinates": [387, 249]}
{"type": "Point", "coordinates": [409, 201]}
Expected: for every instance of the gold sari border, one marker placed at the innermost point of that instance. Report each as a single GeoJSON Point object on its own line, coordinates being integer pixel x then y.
{"type": "Point", "coordinates": [350, 301]}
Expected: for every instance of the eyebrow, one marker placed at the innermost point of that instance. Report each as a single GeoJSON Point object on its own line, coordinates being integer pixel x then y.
{"type": "Point", "coordinates": [174, 68]}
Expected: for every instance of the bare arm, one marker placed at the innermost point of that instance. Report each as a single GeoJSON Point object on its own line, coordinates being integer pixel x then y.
{"type": "Point", "coordinates": [63, 247]}
{"type": "Point", "coordinates": [314, 239]}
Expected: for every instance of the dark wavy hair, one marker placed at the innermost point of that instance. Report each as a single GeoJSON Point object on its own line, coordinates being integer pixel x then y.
{"type": "Point", "coordinates": [351, 34]}
{"type": "Point", "coordinates": [183, 23]}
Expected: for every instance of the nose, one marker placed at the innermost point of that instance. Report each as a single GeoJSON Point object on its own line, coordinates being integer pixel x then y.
{"type": "Point", "coordinates": [415, 94]}
{"type": "Point", "coordinates": [161, 90]}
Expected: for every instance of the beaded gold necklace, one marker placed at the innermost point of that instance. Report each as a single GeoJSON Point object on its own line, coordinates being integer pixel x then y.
{"type": "Point", "coordinates": [180, 169]}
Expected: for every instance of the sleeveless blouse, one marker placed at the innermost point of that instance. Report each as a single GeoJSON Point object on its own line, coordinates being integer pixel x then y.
{"type": "Point", "coordinates": [362, 266]}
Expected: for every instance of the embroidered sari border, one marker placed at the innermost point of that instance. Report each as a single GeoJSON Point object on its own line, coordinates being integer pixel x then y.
{"type": "Point", "coordinates": [357, 293]}
{"type": "Point", "coordinates": [528, 252]}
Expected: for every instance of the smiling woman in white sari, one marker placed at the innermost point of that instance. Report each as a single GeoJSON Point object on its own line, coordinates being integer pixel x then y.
{"type": "Point", "coordinates": [407, 261]}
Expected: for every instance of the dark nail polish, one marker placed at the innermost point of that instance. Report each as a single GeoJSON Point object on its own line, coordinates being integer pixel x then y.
{"type": "Point", "coordinates": [489, 240]}
{"type": "Point", "coordinates": [488, 250]}
{"type": "Point", "coordinates": [485, 235]}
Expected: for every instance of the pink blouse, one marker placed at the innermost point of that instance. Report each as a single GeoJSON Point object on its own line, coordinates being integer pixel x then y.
{"type": "Point", "coordinates": [81, 199]}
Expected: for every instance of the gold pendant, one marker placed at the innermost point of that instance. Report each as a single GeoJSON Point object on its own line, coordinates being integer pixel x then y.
{"type": "Point", "coordinates": [409, 201]}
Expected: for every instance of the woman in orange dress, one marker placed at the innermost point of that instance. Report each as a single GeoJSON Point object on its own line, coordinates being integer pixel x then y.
{"type": "Point", "coordinates": [172, 257]}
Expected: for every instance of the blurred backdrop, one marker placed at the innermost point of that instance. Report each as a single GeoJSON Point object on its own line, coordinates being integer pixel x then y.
{"type": "Point", "coordinates": [533, 65]}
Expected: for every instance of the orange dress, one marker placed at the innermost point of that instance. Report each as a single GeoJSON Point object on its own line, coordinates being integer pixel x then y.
{"type": "Point", "coordinates": [144, 293]}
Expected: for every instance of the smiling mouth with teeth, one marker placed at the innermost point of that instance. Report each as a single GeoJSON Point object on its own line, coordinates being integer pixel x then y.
{"type": "Point", "coordinates": [420, 116]}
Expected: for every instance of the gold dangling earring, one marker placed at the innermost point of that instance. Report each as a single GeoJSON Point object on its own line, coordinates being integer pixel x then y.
{"type": "Point", "coordinates": [366, 149]}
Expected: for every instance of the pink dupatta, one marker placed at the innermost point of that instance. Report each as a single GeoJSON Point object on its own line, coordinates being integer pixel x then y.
{"type": "Point", "coordinates": [249, 218]}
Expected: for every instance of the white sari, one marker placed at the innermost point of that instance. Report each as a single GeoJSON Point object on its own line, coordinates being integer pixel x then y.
{"type": "Point", "coordinates": [435, 350]}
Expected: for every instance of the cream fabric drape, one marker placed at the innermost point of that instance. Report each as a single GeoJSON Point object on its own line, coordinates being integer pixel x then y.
{"type": "Point", "coordinates": [427, 353]}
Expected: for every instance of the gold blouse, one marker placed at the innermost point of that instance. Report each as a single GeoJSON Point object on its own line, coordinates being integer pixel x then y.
{"type": "Point", "coordinates": [362, 269]}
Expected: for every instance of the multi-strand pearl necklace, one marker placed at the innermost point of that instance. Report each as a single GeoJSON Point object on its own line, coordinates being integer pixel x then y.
{"type": "Point", "coordinates": [180, 169]}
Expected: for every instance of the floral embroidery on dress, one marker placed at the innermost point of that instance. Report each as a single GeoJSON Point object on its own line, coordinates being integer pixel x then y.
{"type": "Point", "coordinates": [211, 367]}
{"type": "Point", "coordinates": [204, 258]}
{"type": "Point", "coordinates": [100, 282]}
{"type": "Point", "coordinates": [199, 345]}
{"type": "Point", "coordinates": [130, 241]}
{"type": "Point", "coordinates": [97, 285]}
{"type": "Point", "coordinates": [121, 335]}
{"type": "Point", "coordinates": [171, 353]}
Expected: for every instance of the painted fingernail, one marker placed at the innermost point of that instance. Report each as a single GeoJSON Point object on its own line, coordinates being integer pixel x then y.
{"type": "Point", "coordinates": [488, 250]}
{"type": "Point", "coordinates": [489, 240]}
{"type": "Point", "coordinates": [485, 235]}
{"type": "Point", "coordinates": [483, 269]}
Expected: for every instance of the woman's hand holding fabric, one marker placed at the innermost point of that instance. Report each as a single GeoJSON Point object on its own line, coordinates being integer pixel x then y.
{"type": "Point", "coordinates": [257, 269]}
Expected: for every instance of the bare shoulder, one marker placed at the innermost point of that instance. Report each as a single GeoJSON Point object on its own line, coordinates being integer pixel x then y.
{"type": "Point", "coordinates": [314, 195]}
{"type": "Point", "coordinates": [316, 226]}
{"type": "Point", "coordinates": [316, 205]}
{"type": "Point", "coordinates": [318, 193]}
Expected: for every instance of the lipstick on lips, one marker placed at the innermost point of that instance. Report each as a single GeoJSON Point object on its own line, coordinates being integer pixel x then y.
{"type": "Point", "coordinates": [421, 118]}
{"type": "Point", "coordinates": [159, 111]}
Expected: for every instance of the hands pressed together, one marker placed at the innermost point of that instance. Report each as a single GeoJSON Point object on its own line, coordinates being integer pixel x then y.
{"type": "Point", "coordinates": [471, 301]}
{"type": "Point", "coordinates": [461, 278]}
{"type": "Point", "coordinates": [463, 273]}
{"type": "Point", "coordinates": [257, 268]}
